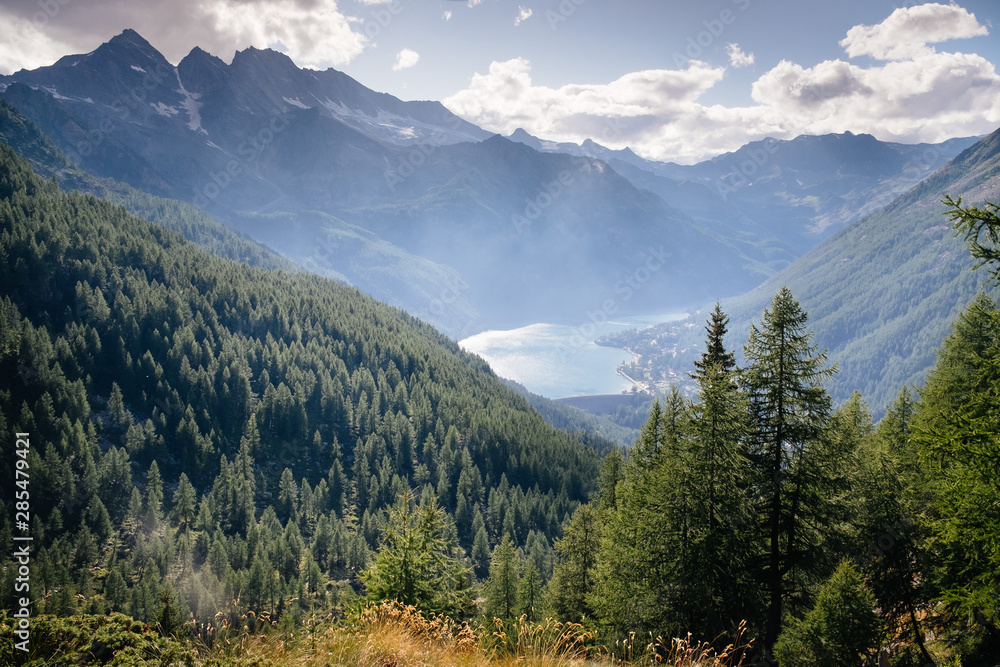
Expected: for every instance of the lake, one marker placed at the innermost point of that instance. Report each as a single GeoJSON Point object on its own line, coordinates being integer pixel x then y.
{"type": "Point", "coordinates": [556, 360]}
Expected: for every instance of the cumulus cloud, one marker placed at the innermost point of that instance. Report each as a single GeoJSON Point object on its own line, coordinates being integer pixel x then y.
{"type": "Point", "coordinates": [907, 32]}
{"type": "Point", "coordinates": [737, 58]}
{"type": "Point", "coordinates": [314, 33]}
{"type": "Point", "coordinates": [26, 43]}
{"type": "Point", "coordinates": [446, 15]}
{"type": "Point", "coordinates": [523, 14]}
{"type": "Point", "coordinates": [632, 109]}
{"type": "Point", "coordinates": [916, 94]}
{"type": "Point", "coordinates": [405, 59]}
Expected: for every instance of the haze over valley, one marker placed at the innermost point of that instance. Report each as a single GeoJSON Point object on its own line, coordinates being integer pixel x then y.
{"type": "Point", "coordinates": [469, 231]}
{"type": "Point", "coordinates": [376, 332]}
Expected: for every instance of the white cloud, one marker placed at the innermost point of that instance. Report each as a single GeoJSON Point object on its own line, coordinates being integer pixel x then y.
{"type": "Point", "coordinates": [924, 96]}
{"type": "Point", "coordinates": [25, 45]}
{"type": "Point", "coordinates": [446, 15]}
{"type": "Point", "coordinates": [737, 58]}
{"type": "Point", "coordinates": [405, 59]}
{"type": "Point", "coordinates": [314, 33]}
{"type": "Point", "coordinates": [908, 30]}
{"type": "Point", "coordinates": [632, 110]}
{"type": "Point", "coordinates": [523, 14]}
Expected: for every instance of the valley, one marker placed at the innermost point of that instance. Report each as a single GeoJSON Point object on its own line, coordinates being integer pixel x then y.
{"type": "Point", "coordinates": [310, 374]}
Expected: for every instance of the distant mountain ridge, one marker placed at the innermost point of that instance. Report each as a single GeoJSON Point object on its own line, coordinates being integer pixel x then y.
{"type": "Point", "coordinates": [481, 231]}
{"type": "Point", "coordinates": [799, 190]}
{"type": "Point", "coordinates": [881, 294]}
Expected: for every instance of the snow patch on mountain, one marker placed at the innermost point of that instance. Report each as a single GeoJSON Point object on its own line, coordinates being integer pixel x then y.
{"type": "Point", "coordinates": [191, 105]}
{"type": "Point", "coordinates": [295, 102]}
{"type": "Point", "coordinates": [165, 110]}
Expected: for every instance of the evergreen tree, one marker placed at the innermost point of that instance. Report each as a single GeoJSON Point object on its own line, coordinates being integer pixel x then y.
{"type": "Point", "coordinates": [956, 429]}
{"type": "Point", "coordinates": [841, 629]}
{"type": "Point", "coordinates": [154, 497]}
{"type": "Point", "coordinates": [529, 593]}
{"type": "Point", "coordinates": [716, 355]}
{"type": "Point", "coordinates": [481, 555]}
{"type": "Point", "coordinates": [980, 227]}
{"type": "Point", "coordinates": [789, 409]}
{"type": "Point", "coordinates": [119, 418]}
{"type": "Point", "coordinates": [501, 587]}
{"type": "Point", "coordinates": [185, 502]}
{"type": "Point", "coordinates": [612, 472]}
{"type": "Point", "coordinates": [888, 483]}
{"type": "Point", "coordinates": [716, 572]}
{"type": "Point", "coordinates": [417, 562]}
{"type": "Point", "coordinates": [646, 539]}
{"type": "Point", "coordinates": [288, 496]}
{"type": "Point", "coordinates": [572, 578]}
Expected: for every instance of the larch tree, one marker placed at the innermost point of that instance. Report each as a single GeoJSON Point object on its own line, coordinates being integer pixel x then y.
{"type": "Point", "coordinates": [502, 585]}
{"type": "Point", "coordinates": [419, 562]}
{"type": "Point", "coordinates": [646, 538]}
{"type": "Point", "coordinates": [956, 430]}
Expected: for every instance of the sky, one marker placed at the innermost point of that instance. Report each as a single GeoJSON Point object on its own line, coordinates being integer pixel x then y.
{"type": "Point", "coordinates": [675, 80]}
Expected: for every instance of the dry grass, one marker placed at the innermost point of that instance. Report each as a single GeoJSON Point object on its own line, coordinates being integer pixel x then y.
{"type": "Point", "coordinates": [394, 635]}
{"type": "Point", "coordinates": [682, 652]}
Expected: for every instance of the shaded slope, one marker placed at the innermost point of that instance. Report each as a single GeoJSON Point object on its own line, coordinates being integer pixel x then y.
{"type": "Point", "coordinates": [881, 294]}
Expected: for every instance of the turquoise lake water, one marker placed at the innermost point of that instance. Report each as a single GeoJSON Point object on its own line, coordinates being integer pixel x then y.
{"type": "Point", "coordinates": [556, 360]}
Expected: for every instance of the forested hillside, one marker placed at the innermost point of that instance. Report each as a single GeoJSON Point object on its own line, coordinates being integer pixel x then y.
{"type": "Point", "coordinates": [205, 431]}
{"type": "Point", "coordinates": [233, 457]}
{"type": "Point", "coordinates": [28, 141]}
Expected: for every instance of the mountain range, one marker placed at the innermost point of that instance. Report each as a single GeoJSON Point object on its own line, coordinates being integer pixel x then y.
{"type": "Point", "coordinates": [428, 212]}
{"type": "Point", "coordinates": [470, 231]}
{"type": "Point", "coordinates": [881, 294]}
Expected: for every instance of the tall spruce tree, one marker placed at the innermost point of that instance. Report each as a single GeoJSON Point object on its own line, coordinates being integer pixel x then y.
{"type": "Point", "coordinates": [716, 353]}
{"type": "Point", "coordinates": [789, 409]}
{"type": "Point", "coordinates": [717, 479]}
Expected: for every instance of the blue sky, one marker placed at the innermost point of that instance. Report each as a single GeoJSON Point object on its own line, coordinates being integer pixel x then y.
{"type": "Point", "coordinates": [675, 80]}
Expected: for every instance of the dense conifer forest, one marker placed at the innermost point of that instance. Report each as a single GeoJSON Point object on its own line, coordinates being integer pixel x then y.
{"type": "Point", "coordinates": [227, 462]}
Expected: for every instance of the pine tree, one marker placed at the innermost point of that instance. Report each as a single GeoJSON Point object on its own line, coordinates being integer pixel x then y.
{"type": "Point", "coordinates": [502, 585]}
{"type": "Point", "coordinates": [789, 408]}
